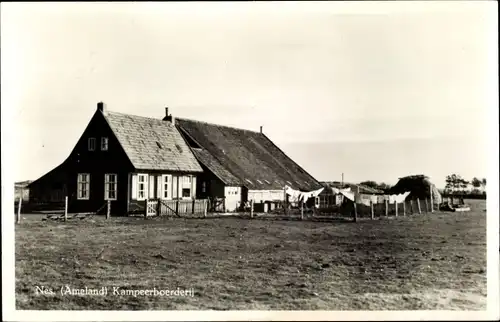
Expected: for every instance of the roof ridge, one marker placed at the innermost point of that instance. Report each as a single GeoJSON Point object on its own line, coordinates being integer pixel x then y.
{"type": "Point", "coordinates": [133, 115]}
{"type": "Point", "coordinates": [215, 124]}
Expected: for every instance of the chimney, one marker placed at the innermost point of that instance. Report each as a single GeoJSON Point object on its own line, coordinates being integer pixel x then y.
{"type": "Point", "coordinates": [168, 117]}
{"type": "Point", "coordinates": [261, 129]}
{"type": "Point", "coordinates": [101, 107]}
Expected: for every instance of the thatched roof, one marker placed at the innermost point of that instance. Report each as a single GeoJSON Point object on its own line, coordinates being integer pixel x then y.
{"type": "Point", "coordinates": [244, 157]}
{"type": "Point", "coordinates": [419, 186]}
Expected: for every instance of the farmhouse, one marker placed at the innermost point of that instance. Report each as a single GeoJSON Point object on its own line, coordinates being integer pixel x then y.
{"type": "Point", "coordinates": [127, 159]}
{"type": "Point", "coordinates": [329, 197]}
{"type": "Point", "coordinates": [241, 165]}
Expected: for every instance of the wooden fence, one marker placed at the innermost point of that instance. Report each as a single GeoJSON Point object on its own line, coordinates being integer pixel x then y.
{"type": "Point", "coordinates": [386, 209]}
{"type": "Point", "coordinates": [180, 208]}
{"type": "Point", "coordinates": [55, 213]}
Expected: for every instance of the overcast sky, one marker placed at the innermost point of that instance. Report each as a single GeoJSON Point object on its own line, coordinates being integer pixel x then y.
{"type": "Point", "coordinates": [374, 90]}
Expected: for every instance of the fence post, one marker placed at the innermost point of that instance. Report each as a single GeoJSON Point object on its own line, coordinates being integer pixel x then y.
{"type": "Point", "coordinates": [418, 206]}
{"type": "Point", "coordinates": [411, 206]}
{"type": "Point", "coordinates": [432, 201]}
{"type": "Point", "coordinates": [108, 212]}
{"type": "Point", "coordinates": [251, 208]}
{"type": "Point", "coordinates": [404, 208]}
{"type": "Point", "coordinates": [371, 209]}
{"type": "Point", "coordinates": [396, 207]}
{"type": "Point", "coordinates": [177, 207]}
{"type": "Point", "coordinates": [386, 202]}
{"type": "Point", "coordinates": [355, 211]}
{"type": "Point", "coordinates": [18, 219]}
{"type": "Point", "coordinates": [194, 202]}
{"type": "Point", "coordinates": [158, 207]}
{"type": "Point", "coordinates": [205, 206]}
{"type": "Point", "coordinates": [284, 201]}
{"type": "Point", "coordinates": [426, 205]}
{"type": "Point", "coordinates": [302, 210]}
{"type": "Point", "coordinates": [65, 208]}
{"type": "Point", "coordinates": [146, 208]}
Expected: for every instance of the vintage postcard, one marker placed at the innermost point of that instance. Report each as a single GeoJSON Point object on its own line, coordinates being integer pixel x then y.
{"type": "Point", "coordinates": [250, 161]}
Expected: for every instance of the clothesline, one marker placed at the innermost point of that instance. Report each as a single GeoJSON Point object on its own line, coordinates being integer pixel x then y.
{"type": "Point", "coordinates": [366, 199]}
{"type": "Point", "coordinates": [297, 195]}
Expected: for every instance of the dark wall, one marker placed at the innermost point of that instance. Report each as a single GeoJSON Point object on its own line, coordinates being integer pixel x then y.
{"type": "Point", "coordinates": [50, 188]}
{"type": "Point", "coordinates": [214, 186]}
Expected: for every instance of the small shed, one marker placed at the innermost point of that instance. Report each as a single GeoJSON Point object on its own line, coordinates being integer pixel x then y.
{"type": "Point", "coordinates": [419, 187]}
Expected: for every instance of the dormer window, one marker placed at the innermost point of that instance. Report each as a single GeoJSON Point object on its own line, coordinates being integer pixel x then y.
{"type": "Point", "coordinates": [104, 144]}
{"type": "Point", "coordinates": [91, 144]}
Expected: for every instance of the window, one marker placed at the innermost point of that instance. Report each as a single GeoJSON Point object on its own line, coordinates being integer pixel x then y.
{"type": "Point", "coordinates": [187, 179]}
{"type": "Point", "coordinates": [186, 193]}
{"type": "Point", "coordinates": [142, 186]}
{"type": "Point", "coordinates": [104, 144]}
{"type": "Point", "coordinates": [204, 186]}
{"type": "Point", "coordinates": [91, 144]}
{"type": "Point", "coordinates": [166, 194]}
{"type": "Point", "coordinates": [110, 185]}
{"type": "Point", "coordinates": [83, 186]}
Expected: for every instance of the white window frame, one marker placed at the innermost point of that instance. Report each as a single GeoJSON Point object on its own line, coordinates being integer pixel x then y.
{"type": "Point", "coordinates": [104, 143]}
{"type": "Point", "coordinates": [166, 182]}
{"type": "Point", "coordinates": [85, 184]}
{"type": "Point", "coordinates": [107, 181]}
{"type": "Point", "coordinates": [91, 144]}
{"type": "Point", "coordinates": [145, 188]}
{"type": "Point", "coordinates": [182, 192]}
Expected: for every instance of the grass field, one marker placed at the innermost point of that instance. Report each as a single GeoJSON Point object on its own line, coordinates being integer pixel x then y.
{"type": "Point", "coordinates": [428, 261]}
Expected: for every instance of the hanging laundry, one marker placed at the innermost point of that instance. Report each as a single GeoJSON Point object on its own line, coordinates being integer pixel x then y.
{"type": "Point", "coordinates": [402, 197]}
{"type": "Point", "coordinates": [348, 194]}
{"type": "Point", "coordinates": [294, 195]}
{"type": "Point", "coordinates": [337, 191]}
{"type": "Point", "coordinates": [312, 194]}
{"type": "Point", "coordinates": [364, 199]}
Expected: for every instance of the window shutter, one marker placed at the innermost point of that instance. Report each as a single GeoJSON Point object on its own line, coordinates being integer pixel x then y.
{"type": "Point", "coordinates": [134, 186]}
{"type": "Point", "coordinates": [193, 187]}
{"type": "Point", "coordinates": [146, 186]}
{"type": "Point", "coordinates": [168, 180]}
{"type": "Point", "coordinates": [152, 187]}
{"type": "Point", "coordinates": [159, 187]}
